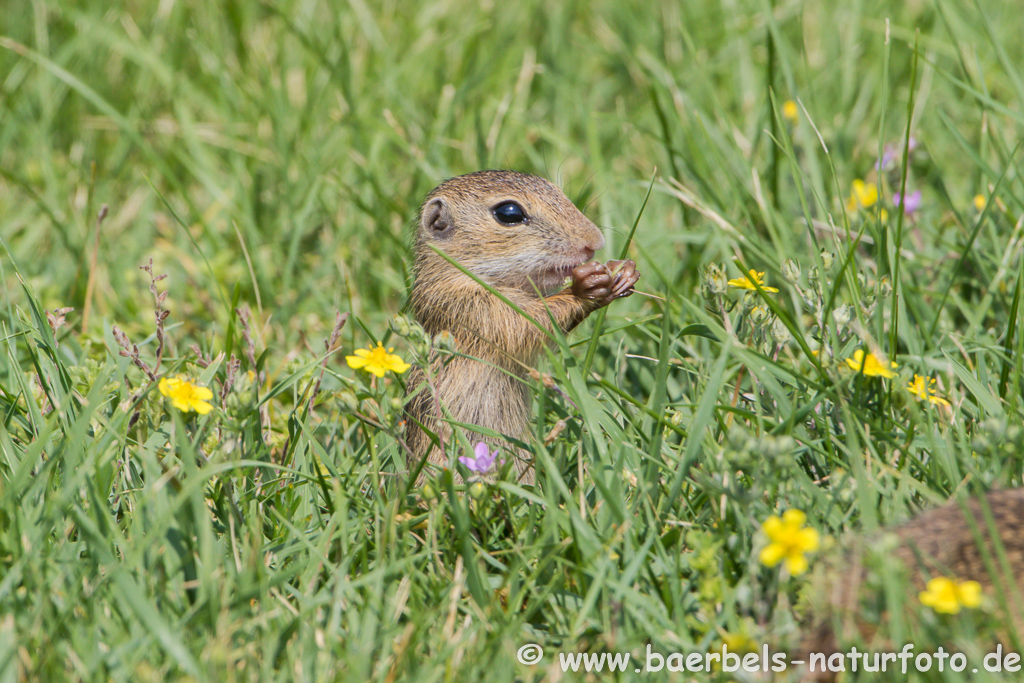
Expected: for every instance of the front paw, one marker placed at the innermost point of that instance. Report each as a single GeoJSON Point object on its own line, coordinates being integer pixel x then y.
{"type": "Point", "coordinates": [601, 283]}
{"type": "Point", "coordinates": [625, 276]}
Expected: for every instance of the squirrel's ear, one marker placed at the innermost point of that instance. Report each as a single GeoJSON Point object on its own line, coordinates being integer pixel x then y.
{"type": "Point", "coordinates": [437, 218]}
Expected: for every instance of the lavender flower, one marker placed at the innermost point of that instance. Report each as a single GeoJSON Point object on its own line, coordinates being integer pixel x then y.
{"type": "Point", "coordinates": [483, 461]}
{"type": "Point", "coordinates": [892, 152]}
{"type": "Point", "coordinates": [888, 158]}
{"type": "Point", "coordinates": [912, 204]}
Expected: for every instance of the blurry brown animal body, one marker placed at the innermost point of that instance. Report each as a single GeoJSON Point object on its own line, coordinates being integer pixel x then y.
{"type": "Point", "coordinates": [939, 543]}
{"type": "Point", "coordinates": [523, 237]}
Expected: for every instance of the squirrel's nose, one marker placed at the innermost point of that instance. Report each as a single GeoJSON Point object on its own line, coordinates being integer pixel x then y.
{"type": "Point", "coordinates": [593, 245]}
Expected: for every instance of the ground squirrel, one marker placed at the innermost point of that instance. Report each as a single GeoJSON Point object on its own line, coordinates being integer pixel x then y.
{"type": "Point", "coordinates": [523, 237]}
{"type": "Point", "coordinates": [938, 543]}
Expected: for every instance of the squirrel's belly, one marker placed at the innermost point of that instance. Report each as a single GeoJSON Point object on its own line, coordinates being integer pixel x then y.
{"type": "Point", "coordinates": [476, 393]}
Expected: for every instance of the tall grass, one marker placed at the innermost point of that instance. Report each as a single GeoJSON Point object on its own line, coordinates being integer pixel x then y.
{"type": "Point", "coordinates": [272, 156]}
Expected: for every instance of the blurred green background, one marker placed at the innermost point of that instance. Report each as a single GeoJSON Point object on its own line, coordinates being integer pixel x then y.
{"type": "Point", "coordinates": [274, 154]}
{"type": "Point", "coordinates": [304, 134]}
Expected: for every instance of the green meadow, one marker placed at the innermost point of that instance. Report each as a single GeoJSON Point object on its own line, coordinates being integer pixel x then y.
{"type": "Point", "coordinates": [270, 158]}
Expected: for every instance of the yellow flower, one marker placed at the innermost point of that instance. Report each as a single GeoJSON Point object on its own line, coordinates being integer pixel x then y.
{"type": "Point", "coordinates": [864, 195]}
{"type": "Point", "coordinates": [980, 202]}
{"type": "Point", "coordinates": [378, 360]}
{"type": "Point", "coordinates": [789, 541]}
{"type": "Point", "coordinates": [186, 396]}
{"type": "Point", "coordinates": [947, 596]}
{"type": "Point", "coordinates": [924, 391]}
{"type": "Point", "coordinates": [870, 365]}
{"type": "Point", "coordinates": [747, 281]}
{"type": "Point", "coordinates": [790, 110]}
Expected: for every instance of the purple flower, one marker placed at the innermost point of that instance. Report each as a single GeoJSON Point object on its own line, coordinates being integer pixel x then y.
{"type": "Point", "coordinates": [888, 158]}
{"type": "Point", "coordinates": [483, 461]}
{"type": "Point", "coordinates": [912, 204]}
{"type": "Point", "coordinates": [891, 152]}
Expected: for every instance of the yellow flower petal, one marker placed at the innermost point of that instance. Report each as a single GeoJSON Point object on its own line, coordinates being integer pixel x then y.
{"type": "Point", "coordinates": [870, 365]}
{"type": "Point", "coordinates": [867, 194]}
{"type": "Point", "coordinates": [377, 361]}
{"type": "Point", "coordinates": [772, 526]}
{"type": "Point", "coordinates": [862, 196]}
{"type": "Point", "coordinates": [790, 110]}
{"type": "Point", "coordinates": [772, 554]}
{"type": "Point", "coordinates": [809, 539]}
{"type": "Point", "coordinates": [355, 362]}
{"type": "Point", "coordinates": [789, 540]}
{"type": "Point", "coordinates": [794, 517]}
{"type": "Point", "coordinates": [940, 595]}
{"type": "Point", "coordinates": [747, 282]}
{"type": "Point", "coordinates": [946, 596]}
{"type": "Point", "coordinates": [924, 391]}
{"type": "Point", "coordinates": [186, 396]}
{"type": "Point", "coordinates": [969, 593]}
{"type": "Point", "coordinates": [201, 407]}
{"type": "Point", "coordinates": [796, 563]}
{"type": "Point", "coordinates": [168, 385]}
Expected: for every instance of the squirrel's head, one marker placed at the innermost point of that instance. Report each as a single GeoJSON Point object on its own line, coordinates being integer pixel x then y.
{"type": "Point", "coordinates": [509, 229]}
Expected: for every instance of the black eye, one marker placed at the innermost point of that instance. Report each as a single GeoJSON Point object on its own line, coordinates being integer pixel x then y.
{"type": "Point", "coordinates": [509, 213]}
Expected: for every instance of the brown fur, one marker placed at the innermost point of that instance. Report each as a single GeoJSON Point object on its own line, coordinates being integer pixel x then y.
{"type": "Point", "coordinates": [940, 542]}
{"type": "Point", "coordinates": [484, 386]}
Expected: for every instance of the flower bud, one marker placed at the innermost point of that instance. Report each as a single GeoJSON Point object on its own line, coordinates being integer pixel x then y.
{"type": "Point", "coordinates": [428, 493]}
{"type": "Point", "coordinates": [791, 271]}
{"type": "Point", "coordinates": [478, 490]}
{"type": "Point", "coordinates": [827, 258]}
{"type": "Point", "coordinates": [400, 325]}
{"type": "Point", "coordinates": [780, 333]}
{"type": "Point", "coordinates": [444, 340]}
{"type": "Point", "coordinates": [842, 315]}
{"type": "Point", "coordinates": [714, 282]}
